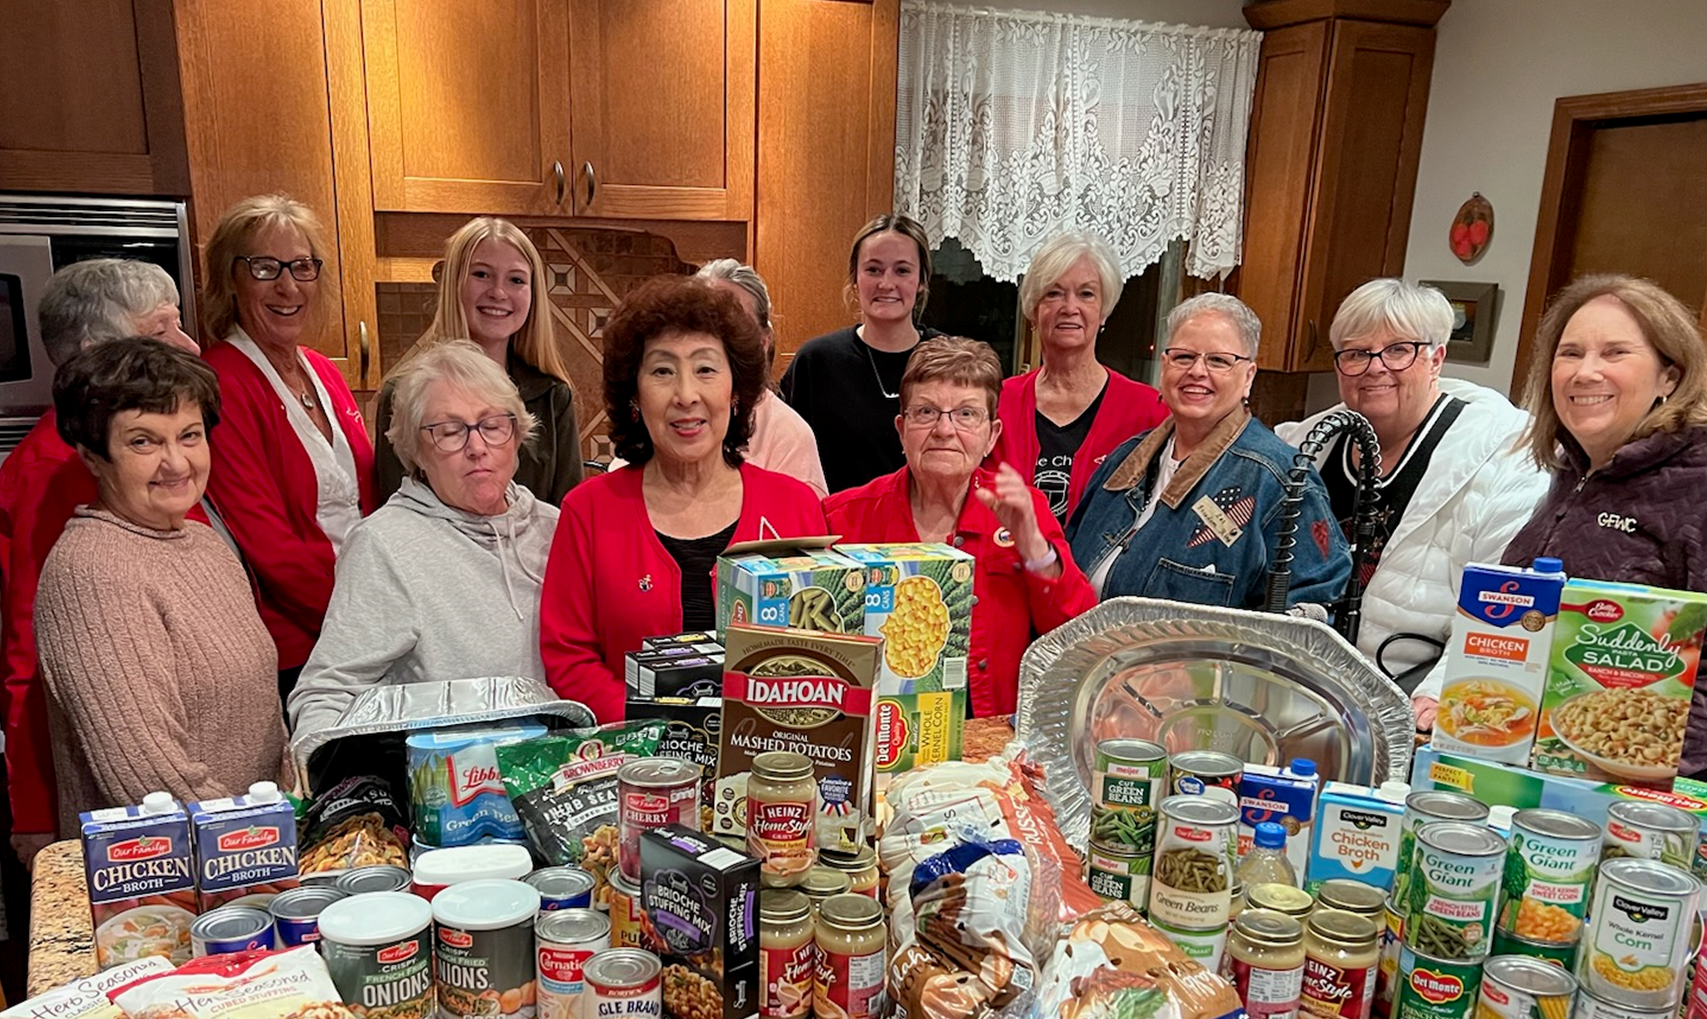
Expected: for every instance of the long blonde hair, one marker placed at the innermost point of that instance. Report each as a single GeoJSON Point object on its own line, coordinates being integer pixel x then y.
{"type": "Point", "coordinates": [237, 227]}
{"type": "Point", "coordinates": [536, 341]}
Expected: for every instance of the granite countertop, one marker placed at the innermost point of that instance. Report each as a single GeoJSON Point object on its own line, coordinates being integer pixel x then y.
{"type": "Point", "coordinates": [62, 935]}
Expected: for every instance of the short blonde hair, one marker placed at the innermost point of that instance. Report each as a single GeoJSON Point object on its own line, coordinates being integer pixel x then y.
{"type": "Point", "coordinates": [957, 360]}
{"type": "Point", "coordinates": [1666, 322]}
{"type": "Point", "coordinates": [1058, 254]}
{"type": "Point", "coordinates": [459, 363]}
{"type": "Point", "coordinates": [236, 229]}
{"type": "Point", "coordinates": [536, 341]}
{"type": "Point", "coordinates": [1411, 311]}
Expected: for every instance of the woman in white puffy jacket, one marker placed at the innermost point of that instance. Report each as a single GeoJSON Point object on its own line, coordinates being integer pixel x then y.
{"type": "Point", "coordinates": [1455, 483]}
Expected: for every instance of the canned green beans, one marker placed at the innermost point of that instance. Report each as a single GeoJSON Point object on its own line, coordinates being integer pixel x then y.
{"type": "Point", "coordinates": [1131, 774]}
{"type": "Point", "coordinates": [1649, 831]}
{"type": "Point", "coordinates": [1517, 987]}
{"type": "Point", "coordinates": [1563, 956]}
{"type": "Point", "coordinates": [1548, 870]}
{"type": "Point", "coordinates": [1191, 880]}
{"type": "Point", "coordinates": [1454, 889]}
{"type": "Point", "coordinates": [1434, 988]}
{"type": "Point", "coordinates": [1426, 807]}
{"type": "Point", "coordinates": [1638, 938]}
{"type": "Point", "coordinates": [1205, 947]}
{"type": "Point", "coordinates": [1118, 871]}
{"type": "Point", "coordinates": [1390, 944]}
{"type": "Point", "coordinates": [1207, 773]}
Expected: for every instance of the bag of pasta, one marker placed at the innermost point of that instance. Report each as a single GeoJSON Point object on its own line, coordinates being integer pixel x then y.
{"type": "Point", "coordinates": [360, 822]}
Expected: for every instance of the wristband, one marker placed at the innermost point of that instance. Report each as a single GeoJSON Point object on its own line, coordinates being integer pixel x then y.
{"type": "Point", "coordinates": [1042, 563]}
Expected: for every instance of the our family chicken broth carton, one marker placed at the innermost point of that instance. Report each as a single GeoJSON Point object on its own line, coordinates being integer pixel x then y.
{"type": "Point", "coordinates": [1619, 683]}
{"type": "Point", "coordinates": [1496, 660]}
{"type": "Point", "coordinates": [142, 880]}
{"type": "Point", "coordinates": [245, 847]}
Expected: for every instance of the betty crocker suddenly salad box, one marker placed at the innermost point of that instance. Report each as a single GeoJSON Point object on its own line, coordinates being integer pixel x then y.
{"type": "Point", "coordinates": [142, 880]}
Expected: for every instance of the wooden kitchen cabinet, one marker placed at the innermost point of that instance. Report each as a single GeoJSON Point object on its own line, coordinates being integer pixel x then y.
{"type": "Point", "coordinates": [1331, 165]}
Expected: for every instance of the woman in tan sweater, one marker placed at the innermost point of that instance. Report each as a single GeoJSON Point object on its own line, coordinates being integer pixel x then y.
{"type": "Point", "coordinates": [160, 673]}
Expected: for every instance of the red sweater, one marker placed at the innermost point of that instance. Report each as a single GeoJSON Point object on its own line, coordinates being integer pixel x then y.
{"type": "Point", "coordinates": [609, 583]}
{"type": "Point", "coordinates": [1128, 408]}
{"type": "Point", "coordinates": [263, 482]}
{"type": "Point", "coordinates": [1009, 602]}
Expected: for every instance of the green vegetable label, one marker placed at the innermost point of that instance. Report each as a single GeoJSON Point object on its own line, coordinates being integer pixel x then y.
{"type": "Point", "coordinates": [1452, 899]}
{"type": "Point", "coordinates": [1546, 885]}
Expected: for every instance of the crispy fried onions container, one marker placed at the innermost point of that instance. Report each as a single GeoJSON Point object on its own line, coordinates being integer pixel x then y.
{"type": "Point", "coordinates": [1264, 688]}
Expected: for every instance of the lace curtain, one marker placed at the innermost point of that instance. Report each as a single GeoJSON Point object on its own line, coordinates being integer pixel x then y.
{"type": "Point", "coordinates": [1013, 125]}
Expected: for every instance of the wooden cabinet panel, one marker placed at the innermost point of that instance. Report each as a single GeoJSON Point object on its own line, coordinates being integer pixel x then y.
{"type": "Point", "coordinates": [468, 112]}
{"type": "Point", "coordinates": [88, 97]}
{"type": "Point", "coordinates": [662, 100]}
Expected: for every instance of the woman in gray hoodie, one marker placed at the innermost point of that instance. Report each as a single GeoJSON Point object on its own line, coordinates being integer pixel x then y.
{"type": "Point", "coordinates": [442, 582]}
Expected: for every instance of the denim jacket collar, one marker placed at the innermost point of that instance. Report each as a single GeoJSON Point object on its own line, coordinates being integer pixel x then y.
{"type": "Point", "coordinates": [1133, 469]}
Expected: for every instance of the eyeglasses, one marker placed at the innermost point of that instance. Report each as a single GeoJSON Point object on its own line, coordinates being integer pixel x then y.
{"type": "Point", "coordinates": [452, 436]}
{"type": "Point", "coordinates": [963, 418]}
{"type": "Point", "coordinates": [1220, 362]}
{"type": "Point", "coordinates": [263, 268]}
{"type": "Point", "coordinates": [1396, 356]}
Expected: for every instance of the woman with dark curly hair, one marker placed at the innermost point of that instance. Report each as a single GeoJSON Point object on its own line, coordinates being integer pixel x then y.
{"type": "Point", "coordinates": [634, 550]}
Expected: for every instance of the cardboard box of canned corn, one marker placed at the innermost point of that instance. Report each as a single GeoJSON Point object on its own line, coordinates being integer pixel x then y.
{"type": "Point", "coordinates": [798, 582]}
{"type": "Point", "coordinates": [1619, 683]}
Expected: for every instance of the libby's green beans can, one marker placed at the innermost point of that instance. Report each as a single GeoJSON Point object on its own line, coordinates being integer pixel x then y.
{"type": "Point", "coordinates": [1548, 870]}
{"type": "Point", "coordinates": [1454, 891]}
{"type": "Point", "coordinates": [1434, 988]}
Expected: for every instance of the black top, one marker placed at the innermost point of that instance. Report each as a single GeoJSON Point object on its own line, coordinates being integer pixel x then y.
{"type": "Point", "coordinates": [838, 384]}
{"type": "Point", "coordinates": [1057, 445]}
{"type": "Point", "coordinates": [697, 557]}
{"type": "Point", "coordinates": [1396, 488]}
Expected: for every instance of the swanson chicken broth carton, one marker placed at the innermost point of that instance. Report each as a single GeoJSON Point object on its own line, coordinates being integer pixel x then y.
{"type": "Point", "coordinates": [798, 583]}
{"type": "Point", "coordinates": [142, 880]}
{"type": "Point", "coordinates": [1496, 660]}
{"type": "Point", "coordinates": [1619, 684]}
{"type": "Point", "coordinates": [245, 847]}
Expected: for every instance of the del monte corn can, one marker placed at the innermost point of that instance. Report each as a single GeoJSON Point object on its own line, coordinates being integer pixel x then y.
{"type": "Point", "coordinates": [1454, 889]}
{"type": "Point", "coordinates": [1548, 870]}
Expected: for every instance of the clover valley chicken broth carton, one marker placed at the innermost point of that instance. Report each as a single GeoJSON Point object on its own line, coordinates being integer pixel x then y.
{"type": "Point", "coordinates": [142, 881]}
{"type": "Point", "coordinates": [798, 582]}
{"type": "Point", "coordinates": [807, 692]}
{"type": "Point", "coordinates": [1496, 660]}
{"type": "Point", "coordinates": [1619, 683]}
{"type": "Point", "coordinates": [1356, 836]}
{"type": "Point", "coordinates": [245, 848]}
{"type": "Point", "coordinates": [918, 598]}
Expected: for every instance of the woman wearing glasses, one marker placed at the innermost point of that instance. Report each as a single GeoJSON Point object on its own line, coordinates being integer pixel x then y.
{"type": "Point", "coordinates": [1455, 484]}
{"type": "Point", "coordinates": [1189, 510]}
{"type": "Point", "coordinates": [635, 549]}
{"type": "Point", "coordinates": [458, 427]}
{"type": "Point", "coordinates": [1025, 581]}
{"type": "Point", "coordinates": [292, 466]}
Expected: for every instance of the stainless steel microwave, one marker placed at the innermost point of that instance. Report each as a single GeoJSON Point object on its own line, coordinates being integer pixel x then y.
{"type": "Point", "coordinates": [40, 234]}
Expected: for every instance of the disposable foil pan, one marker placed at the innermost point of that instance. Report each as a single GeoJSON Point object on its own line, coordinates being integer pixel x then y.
{"type": "Point", "coordinates": [1264, 688]}
{"type": "Point", "coordinates": [389, 710]}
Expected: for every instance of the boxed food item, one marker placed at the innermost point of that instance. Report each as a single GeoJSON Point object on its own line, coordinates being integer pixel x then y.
{"type": "Point", "coordinates": [673, 672]}
{"type": "Point", "coordinates": [1286, 796]}
{"type": "Point", "coordinates": [87, 998]}
{"type": "Point", "coordinates": [245, 847]}
{"type": "Point", "coordinates": [692, 727]}
{"type": "Point", "coordinates": [808, 692]}
{"type": "Point", "coordinates": [703, 898]}
{"type": "Point", "coordinates": [1496, 660]}
{"type": "Point", "coordinates": [142, 880]}
{"type": "Point", "coordinates": [1619, 683]}
{"type": "Point", "coordinates": [794, 583]}
{"type": "Point", "coordinates": [697, 641]}
{"type": "Point", "coordinates": [915, 729]}
{"type": "Point", "coordinates": [454, 786]}
{"type": "Point", "coordinates": [1357, 834]}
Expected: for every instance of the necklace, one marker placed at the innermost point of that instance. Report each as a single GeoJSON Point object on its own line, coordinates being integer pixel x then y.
{"type": "Point", "coordinates": [872, 360]}
{"type": "Point", "coordinates": [307, 398]}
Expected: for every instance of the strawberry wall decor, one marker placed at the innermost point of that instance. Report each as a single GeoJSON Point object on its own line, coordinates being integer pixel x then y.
{"type": "Point", "coordinates": [1471, 228]}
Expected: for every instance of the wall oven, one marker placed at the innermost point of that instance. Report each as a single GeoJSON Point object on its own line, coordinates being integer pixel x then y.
{"type": "Point", "coordinates": [40, 234]}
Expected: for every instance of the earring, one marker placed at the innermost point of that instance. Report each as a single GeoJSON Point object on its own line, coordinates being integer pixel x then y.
{"type": "Point", "coordinates": [634, 410]}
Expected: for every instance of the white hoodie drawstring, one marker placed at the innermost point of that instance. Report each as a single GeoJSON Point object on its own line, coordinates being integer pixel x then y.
{"type": "Point", "coordinates": [503, 564]}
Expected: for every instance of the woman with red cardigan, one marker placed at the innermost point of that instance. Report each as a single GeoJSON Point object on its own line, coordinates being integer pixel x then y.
{"type": "Point", "coordinates": [1061, 420]}
{"type": "Point", "coordinates": [292, 465]}
{"type": "Point", "coordinates": [634, 550]}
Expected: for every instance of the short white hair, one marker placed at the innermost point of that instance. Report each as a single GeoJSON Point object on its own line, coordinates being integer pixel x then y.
{"type": "Point", "coordinates": [97, 300]}
{"type": "Point", "coordinates": [1237, 313]}
{"type": "Point", "coordinates": [461, 364]}
{"type": "Point", "coordinates": [1411, 311]}
{"type": "Point", "coordinates": [1059, 254]}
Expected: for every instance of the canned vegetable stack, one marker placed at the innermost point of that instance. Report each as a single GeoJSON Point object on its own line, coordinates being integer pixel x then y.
{"type": "Point", "coordinates": [1131, 777]}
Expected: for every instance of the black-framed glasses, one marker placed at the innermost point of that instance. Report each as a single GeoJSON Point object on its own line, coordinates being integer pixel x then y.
{"type": "Point", "coordinates": [1396, 356]}
{"type": "Point", "coordinates": [263, 268]}
{"type": "Point", "coordinates": [964, 418]}
{"type": "Point", "coordinates": [1220, 362]}
{"type": "Point", "coordinates": [452, 436]}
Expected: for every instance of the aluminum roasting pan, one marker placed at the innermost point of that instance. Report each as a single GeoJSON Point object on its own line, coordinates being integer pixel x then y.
{"type": "Point", "coordinates": [1264, 688]}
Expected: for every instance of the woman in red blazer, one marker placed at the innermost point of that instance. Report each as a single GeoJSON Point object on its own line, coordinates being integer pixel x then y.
{"type": "Point", "coordinates": [1061, 420]}
{"type": "Point", "coordinates": [635, 549]}
{"type": "Point", "coordinates": [292, 465]}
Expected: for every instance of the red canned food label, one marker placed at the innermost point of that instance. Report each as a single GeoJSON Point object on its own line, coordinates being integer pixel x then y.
{"type": "Point", "coordinates": [1346, 992]}
{"type": "Point", "coordinates": [1267, 993]}
{"type": "Point", "coordinates": [643, 808]}
{"type": "Point", "coordinates": [781, 823]}
{"type": "Point", "coordinates": [786, 978]}
{"type": "Point", "coordinates": [562, 964]}
{"type": "Point", "coordinates": [849, 986]}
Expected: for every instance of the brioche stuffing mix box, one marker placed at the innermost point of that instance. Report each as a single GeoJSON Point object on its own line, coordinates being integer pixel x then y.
{"type": "Point", "coordinates": [797, 582]}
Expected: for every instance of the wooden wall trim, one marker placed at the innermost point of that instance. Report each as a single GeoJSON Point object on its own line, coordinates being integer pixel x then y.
{"type": "Point", "coordinates": [1272, 14]}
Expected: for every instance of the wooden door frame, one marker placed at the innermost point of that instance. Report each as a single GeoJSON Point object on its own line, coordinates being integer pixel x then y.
{"type": "Point", "coordinates": [1575, 119]}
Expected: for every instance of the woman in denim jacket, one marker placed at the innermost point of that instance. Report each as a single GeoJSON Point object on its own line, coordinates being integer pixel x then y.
{"type": "Point", "coordinates": [1190, 509]}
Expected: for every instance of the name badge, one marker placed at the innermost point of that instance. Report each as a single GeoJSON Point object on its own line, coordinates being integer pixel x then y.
{"type": "Point", "coordinates": [1217, 520]}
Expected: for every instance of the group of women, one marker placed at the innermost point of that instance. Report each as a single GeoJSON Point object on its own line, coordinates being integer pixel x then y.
{"type": "Point", "coordinates": [492, 555]}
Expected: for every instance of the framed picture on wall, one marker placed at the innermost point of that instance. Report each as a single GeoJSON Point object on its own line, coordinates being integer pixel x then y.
{"type": "Point", "coordinates": [1475, 307]}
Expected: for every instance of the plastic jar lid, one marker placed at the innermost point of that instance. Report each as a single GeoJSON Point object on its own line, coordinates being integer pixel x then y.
{"type": "Point", "coordinates": [472, 863]}
{"type": "Point", "coordinates": [485, 905]}
{"type": "Point", "coordinates": [375, 918]}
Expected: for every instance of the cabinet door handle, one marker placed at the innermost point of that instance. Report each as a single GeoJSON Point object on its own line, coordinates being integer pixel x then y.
{"type": "Point", "coordinates": [1310, 350]}
{"type": "Point", "coordinates": [362, 346]}
{"type": "Point", "coordinates": [561, 181]}
{"type": "Point", "coordinates": [592, 182]}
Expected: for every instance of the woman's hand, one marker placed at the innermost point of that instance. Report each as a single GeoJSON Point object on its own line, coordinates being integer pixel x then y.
{"type": "Point", "coordinates": [1425, 708]}
{"type": "Point", "coordinates": [1011, 501]}
{"type": "Point", "coordinates": [27, 845]}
